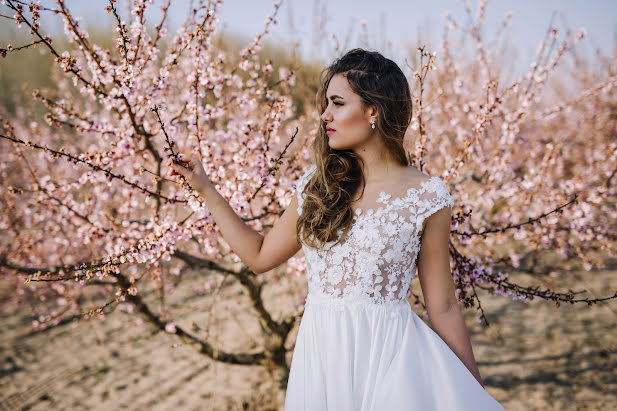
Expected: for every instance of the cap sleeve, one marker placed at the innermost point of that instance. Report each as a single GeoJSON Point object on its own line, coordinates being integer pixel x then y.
{"type": "Point", "coordinates": [435, 197]}
{"type": "Point", "coordinates": [301, 183]}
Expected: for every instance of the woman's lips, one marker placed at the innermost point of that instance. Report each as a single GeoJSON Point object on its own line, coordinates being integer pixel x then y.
{"type": "Point", "coordinates": [330, 130]}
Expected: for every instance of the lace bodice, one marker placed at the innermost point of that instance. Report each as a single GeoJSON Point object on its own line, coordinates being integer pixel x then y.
{"type": "Point", "coordinates": [376, 262]}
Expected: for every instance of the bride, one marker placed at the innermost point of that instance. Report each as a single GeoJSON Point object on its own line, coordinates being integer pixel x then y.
{"type": "Point", "coordinates": [366, 221]}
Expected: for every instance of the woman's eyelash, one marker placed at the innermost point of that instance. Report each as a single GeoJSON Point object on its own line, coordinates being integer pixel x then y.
{"type": "Point", "coordinates": [338, 104]}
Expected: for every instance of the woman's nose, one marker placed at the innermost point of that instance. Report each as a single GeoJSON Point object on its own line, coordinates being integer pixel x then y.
{"type": "Point", "coordinates": [325, 116]}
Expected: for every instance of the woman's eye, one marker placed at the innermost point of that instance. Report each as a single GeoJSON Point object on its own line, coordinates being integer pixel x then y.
{"type": "Point", "coordinates": [338, 104]}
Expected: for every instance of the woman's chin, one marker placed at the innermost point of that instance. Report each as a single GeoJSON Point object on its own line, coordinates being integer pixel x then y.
{"type": "Point", "coordinates": [334, 145]}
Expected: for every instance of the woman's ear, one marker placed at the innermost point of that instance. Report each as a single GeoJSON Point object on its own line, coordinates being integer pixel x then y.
{"type": "Point", "coordinates": [372, 112]}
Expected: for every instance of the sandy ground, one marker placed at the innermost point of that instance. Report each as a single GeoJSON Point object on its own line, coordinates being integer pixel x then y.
{"type": "Point", "coordinates": [533, 355]}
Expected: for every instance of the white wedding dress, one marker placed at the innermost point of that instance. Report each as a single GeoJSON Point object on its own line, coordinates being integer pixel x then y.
{"type": "Point", "coordinates": [360, 346]}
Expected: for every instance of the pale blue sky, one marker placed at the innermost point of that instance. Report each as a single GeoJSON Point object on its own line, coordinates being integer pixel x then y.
{"type": "Point", "coordinates": [402, 23]}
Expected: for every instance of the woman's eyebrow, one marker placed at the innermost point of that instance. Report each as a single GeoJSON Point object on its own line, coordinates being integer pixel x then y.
{"type": "Point", "coordinates": [336, 96]}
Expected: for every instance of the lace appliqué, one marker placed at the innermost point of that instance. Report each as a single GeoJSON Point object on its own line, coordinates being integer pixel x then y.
{"type": "Point", "coordinates": [376, 262]}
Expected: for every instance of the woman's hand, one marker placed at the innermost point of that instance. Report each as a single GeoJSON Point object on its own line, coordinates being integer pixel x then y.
{"type": "Point", "coordinates": [192, 170]}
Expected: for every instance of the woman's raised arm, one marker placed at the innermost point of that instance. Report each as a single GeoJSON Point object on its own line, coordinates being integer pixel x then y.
{"type": "Point", "coordinates": [260, 253]}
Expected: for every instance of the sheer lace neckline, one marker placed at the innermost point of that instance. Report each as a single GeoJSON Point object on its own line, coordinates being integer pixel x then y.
{"type": "Point", "coordinates": [387, 200]}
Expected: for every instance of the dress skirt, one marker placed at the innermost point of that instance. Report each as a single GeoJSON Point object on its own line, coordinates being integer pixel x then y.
{"type": "Point", "coordinates": [361, 357]}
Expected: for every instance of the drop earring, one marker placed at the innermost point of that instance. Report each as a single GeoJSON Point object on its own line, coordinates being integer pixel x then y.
{"type": "Point", "coordinates": [372, 123]}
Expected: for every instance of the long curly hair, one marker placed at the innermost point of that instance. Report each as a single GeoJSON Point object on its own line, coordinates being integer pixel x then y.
{"type": "Point", "coordinates": [328, 194]}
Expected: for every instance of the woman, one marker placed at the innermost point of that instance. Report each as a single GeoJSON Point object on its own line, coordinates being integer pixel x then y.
{"type": "Point", "coordinates": [364, 218]}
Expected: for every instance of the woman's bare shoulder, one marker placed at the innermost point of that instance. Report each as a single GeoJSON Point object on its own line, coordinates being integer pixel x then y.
{"type": "Point", "coordinates": [412, 174]}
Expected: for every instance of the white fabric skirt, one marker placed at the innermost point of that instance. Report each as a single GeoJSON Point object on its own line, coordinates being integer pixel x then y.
{"type": "Point", "coordinates": [377, 357]}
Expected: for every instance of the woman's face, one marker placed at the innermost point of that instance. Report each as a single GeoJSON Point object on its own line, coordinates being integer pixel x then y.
{"type": "Point", "coordinates": [345, 114]}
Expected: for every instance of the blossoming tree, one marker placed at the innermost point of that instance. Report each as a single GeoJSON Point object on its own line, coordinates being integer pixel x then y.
{"type": "Point", "coordinates": [87, 201]}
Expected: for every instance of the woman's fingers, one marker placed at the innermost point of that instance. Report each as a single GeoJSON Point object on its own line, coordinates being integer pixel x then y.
{"type": "Point", "coordinates": [177, 169]}
{"type": "Point", "coordinates": [190, 164]}
{"type": "Point", "coordinates": [189, 167]}
{"type": "Point", "coordinates": [187, 164]}
{"type": "Point", "coordinates": [193, 162]}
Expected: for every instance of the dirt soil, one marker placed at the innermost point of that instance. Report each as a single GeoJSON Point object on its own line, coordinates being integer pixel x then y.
{"type": "Point", "coordinates": [533, 356]}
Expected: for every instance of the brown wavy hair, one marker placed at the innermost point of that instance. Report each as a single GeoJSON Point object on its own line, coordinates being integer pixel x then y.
{"type": "Point", "coordinates": [379, 82]}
